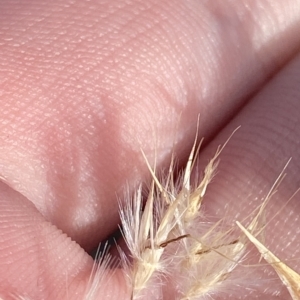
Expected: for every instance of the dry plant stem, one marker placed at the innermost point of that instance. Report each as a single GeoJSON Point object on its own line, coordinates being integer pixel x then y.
{"type": "Point", "coordinates": [288, 276]}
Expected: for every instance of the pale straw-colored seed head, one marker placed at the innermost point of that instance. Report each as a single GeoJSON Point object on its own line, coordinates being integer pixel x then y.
{"type": "Point", "coordinates": [170, 241]}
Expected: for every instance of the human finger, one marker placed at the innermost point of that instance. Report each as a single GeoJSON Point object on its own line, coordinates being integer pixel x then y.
{"type": "Point", "coordinates": [86, 85]}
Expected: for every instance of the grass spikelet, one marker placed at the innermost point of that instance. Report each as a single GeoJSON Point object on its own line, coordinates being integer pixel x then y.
{"type": "Point", "coordinates": [208, 264]}
{"type": "Point", "coordinates": [163, 242]}
{"type": "Point", "coordinates": [145, 234]}
{"type": "Point", "coordinates": [209, 255]}
{"type": "Point", "coordinates": [169, 241]}
{"type": "Point", "coordinates": [288, 276]}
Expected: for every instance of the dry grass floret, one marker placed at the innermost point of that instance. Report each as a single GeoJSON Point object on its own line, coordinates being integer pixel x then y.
{"type": "Point", "coordinates": [169, 242]}
{"type": "Point", "coordinates": [162, 238]}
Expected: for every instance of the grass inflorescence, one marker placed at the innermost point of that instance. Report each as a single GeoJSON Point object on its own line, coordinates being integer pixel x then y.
{"type": "Point", "coordinates": [171, 243]}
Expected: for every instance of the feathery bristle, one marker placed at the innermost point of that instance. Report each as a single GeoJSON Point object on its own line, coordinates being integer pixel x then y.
{"type": "Point", "coordinates": [99, 273]}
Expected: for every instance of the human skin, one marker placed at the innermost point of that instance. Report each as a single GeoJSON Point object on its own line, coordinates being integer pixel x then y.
{"type": "Point", "coordinates": [85, 85]}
